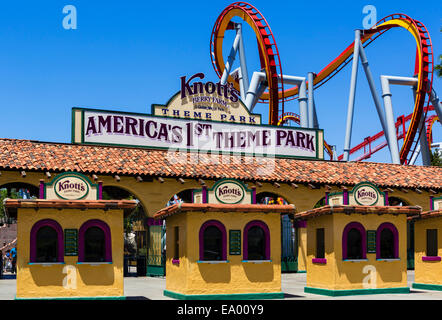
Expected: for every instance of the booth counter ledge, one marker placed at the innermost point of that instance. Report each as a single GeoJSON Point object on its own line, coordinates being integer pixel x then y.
{"type": "Point", "coordinates": [213, 261]}
{"type": "Point", "coordinates": [45, 264]}
{"type": "Point", "coordinates": [389, 260]}
{"type": "Point", "coordinates": [256, 261]}
{"type": "Point", "coordinates": [319, 260]}
{"type": "Point", "coordinates": [431, 258]}
{"type": "Point", "coordinates": [94, 263]}
{"type": "Point", "coordinates": [355, 260]}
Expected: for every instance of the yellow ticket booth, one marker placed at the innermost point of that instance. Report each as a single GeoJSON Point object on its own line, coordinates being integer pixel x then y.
{"type": "Point", "coordinates": [223, 250]}
{"type": "Point", "coordinates": [69, 248]}
{"type": "Point", "coordinates": [428, 250]}
{"type": "Point", "coordinates": [357, 249]}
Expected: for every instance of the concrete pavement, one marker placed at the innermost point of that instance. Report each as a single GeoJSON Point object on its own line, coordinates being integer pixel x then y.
{"type": "Point", "coordinates": [141, 288]}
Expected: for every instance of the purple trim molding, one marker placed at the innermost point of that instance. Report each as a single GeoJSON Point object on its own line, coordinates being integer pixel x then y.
{"type": "Point", "coordinates": [265, 228]}
{"type": "Point", "coordinates": [41, 194]}
{"type": "Point", "coordinates": [300, 224]}
{"type": "Point", "coordinates": [253, 195]}
{"type": "Point", "coordinates": [345, 197]}
{"type": "Point", "coordinates": [431, 203]}
{"type": "Point", "coordinates": [107, 238]}
{"type": "Point", "coordinates": [100, 190]}
{"type": "Point", "coordinates": [221, 228]}
{"type": "Point", "coordinates": [326, 197]}
{"type": "Point", "coordinates": [204, 194]}
{"type": "Point", "coordinates": [154, 222]}
{"type": "Point", "coordinates": [387, 203]}
{"type": "Point", "coordinates": [319, 260]}
{"type": "Point", "coordinates": [176, 261]}
{"type": "Point", "coordinates": [392, 228]}
{"type": "Point", "coordinates": [431, 258]}
{"type": "Point", "coordinates": [361, 229]}
{"type": "Point", "coordinates": [33, 243]}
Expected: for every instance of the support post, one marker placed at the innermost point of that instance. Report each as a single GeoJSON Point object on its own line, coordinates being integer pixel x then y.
{"type": "Point", "coordinates": [391, 126]}
{"type": "Point", "coordinates": [230, 59]}
{"type": "Point", "coordinates": [310, 77]}
{"type": "Point", "coordinates": [351, 98]}
{"type": "Point", "coordinates": [242, 60]}
{"type": "Point", "coordinates": [373, 91]}
{"type": "Point", "coordinates": [302, 99]}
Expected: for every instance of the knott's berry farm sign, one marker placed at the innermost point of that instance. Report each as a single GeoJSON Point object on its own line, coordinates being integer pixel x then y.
{"type": "Point", "coordinates": [364, 194]}
{"type": "Point", "coordinates": [227, 191]}
{"type": "Point", "coordinates": [184, 131]}
{"type": "Point", "coordinates": [206, 101]}
{"type": "Point", "coordinates": [71, 186]}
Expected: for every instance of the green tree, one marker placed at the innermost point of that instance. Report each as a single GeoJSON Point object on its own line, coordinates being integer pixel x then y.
{"type": "Point", "coordinates": [436, 158]}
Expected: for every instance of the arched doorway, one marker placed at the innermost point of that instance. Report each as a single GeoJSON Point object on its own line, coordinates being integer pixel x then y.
{"type": "Point", "coordinates": [289, 243]}
{"type": "Point", "coordinates": [135, 233]}
{"type": "Point", "coordinates": [395, 201]}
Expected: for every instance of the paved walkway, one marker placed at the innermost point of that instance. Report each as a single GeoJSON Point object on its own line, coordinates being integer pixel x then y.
{"type": "Point", "coordinates": [151, 288]}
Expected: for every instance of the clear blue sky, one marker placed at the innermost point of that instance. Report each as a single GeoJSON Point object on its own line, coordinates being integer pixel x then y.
{"type": "Point", "coordinates": [126, 55]}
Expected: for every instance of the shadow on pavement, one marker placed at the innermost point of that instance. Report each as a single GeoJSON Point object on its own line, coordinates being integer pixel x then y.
{"type": "Point", "coordinates": [288, 295]}
{"type": "Point", "coordinates": [8, 276]}
{"type": "Point", "coordinates": [137, 298]}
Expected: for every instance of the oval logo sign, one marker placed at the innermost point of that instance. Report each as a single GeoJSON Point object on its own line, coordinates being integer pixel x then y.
{"type": "Point", "coordinates": [229, 192]}
{"type": "Point", "coordinates": [366, 195]}
{"type": "Point", "coordinates": [71, 188]}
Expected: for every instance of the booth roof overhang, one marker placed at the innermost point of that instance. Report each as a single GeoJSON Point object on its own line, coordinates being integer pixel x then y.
{"type": "Point", "coordinates": [12, 205]}
{"type": "Point", "coordinates": [219, 207]}
{"type": "Point", "coordinates": [426, 215]}
{"type": "Point", "coordinates": [352, 209]}
{"type": "Point", "coordinates": [39, 156]}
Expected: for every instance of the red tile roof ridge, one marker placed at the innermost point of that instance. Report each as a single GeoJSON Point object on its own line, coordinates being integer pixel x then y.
{"type": "Point", "coordinates": [33, 155]}
{"type": "Point", "coordinates": [357, 209]}
{"type": "Point", "coordinates": [427, 214]}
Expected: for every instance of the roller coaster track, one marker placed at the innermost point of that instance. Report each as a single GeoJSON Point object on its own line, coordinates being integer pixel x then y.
{"type": "Point", "coordinates": [368, 144]}
{"type": "Point", "coordinates": [287, 116]}
{"type": "Point", "coordinates": [271, 63]}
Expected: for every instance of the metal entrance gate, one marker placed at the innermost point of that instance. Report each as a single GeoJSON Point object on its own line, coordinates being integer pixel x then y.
{"type": "Point", "coordinates": [156, 249]}
{"type": "Point", "coordinates": [289, 259]}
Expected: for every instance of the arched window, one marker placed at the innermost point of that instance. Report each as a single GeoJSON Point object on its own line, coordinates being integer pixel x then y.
{"type": "Point", "coordinates": [354, 242]}
{"type": "Point", "coordinates": [387, 242]}
{"type": "Point", "coordinates": [213, 241]}
{"type": "Point", "coordinates": [46, 242]}
{"type": "Point", "coordinates": [256, 241]}
{"type": "Point", "coordinates": [94, 242]}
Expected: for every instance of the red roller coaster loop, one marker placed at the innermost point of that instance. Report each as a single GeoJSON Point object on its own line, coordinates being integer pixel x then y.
{"type": "Point", "coordinates": [268, 51]}
{"type": "Point", "coordinates": [271, 62]}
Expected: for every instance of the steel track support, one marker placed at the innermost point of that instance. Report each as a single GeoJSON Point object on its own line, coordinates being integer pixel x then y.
{"type": "Point", "coordinates": [243, 63]}
{"type": "Point", "coordinates": [391, 126]}
{"type": "Point", "coordinates": [311, 111]}
{"type": "Point", "coordinates": [231, 58]}
{"type": "Point", "coordinates": [351, 98]}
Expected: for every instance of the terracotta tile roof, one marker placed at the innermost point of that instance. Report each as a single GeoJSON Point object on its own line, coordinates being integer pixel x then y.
{"type": "Point", "coordinates": [41, 156]}
{"type": "Point", "coordinates": [427, 214]}
{"type": "Point", "coordinates": [11, 205]}
{"type": "Point", "coordinates": [205, 207]}
{"type": "Point", "coordinates": [349, 209]}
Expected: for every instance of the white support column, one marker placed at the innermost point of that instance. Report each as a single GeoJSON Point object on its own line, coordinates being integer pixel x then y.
{"type": "Point", "coordinates": [351, 98]}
